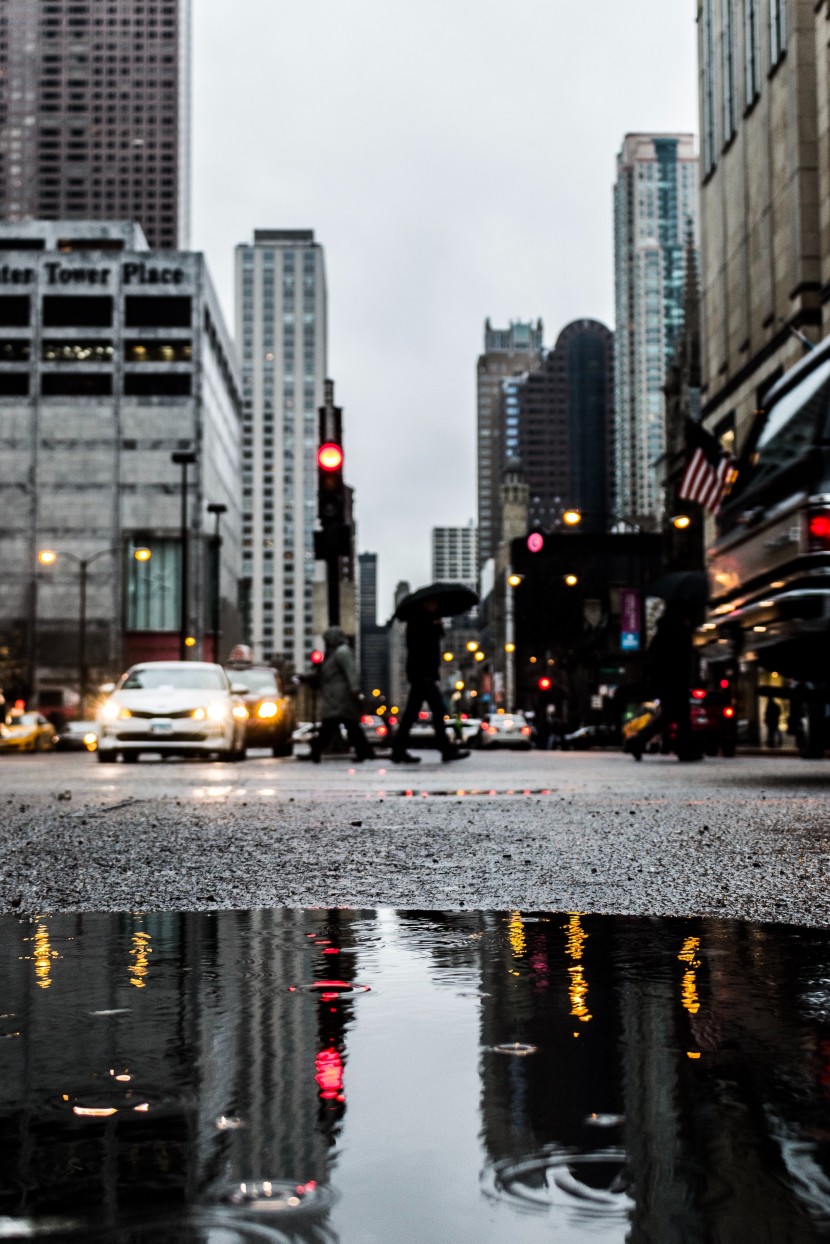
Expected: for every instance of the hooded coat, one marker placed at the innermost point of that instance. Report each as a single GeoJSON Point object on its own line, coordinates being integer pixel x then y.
{"type": "Point", "coordinates": [338, 677]}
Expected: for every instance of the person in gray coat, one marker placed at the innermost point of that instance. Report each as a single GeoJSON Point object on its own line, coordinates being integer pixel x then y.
{"type": "Point", "coordinates": [339, 691]}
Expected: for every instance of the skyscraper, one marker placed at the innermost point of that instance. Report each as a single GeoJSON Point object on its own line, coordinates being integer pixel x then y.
{"type": "Point", "coordinates": [281, 334]}
{"type": "Point", "coordinates": [655, 205]}
{"type": "Point", "coordinates": [95, 113]}
{"type": "Point", "coordinates": [455, 554]}
{"type": "Point", "coordinates": [507, 352]}
{"type": "Point", "coordinates": [564, 426]}
{"type": "Point", "coordinates": [373, 639]}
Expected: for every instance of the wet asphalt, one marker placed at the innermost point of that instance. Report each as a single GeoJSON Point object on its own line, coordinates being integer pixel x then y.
{"type": "Point", "coordinates": [581, 831]}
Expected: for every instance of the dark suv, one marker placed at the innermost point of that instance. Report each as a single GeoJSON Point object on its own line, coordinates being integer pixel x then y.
{"type": "Point", "coordinates": [769, 568]}
{"type": "Point", "coordinates": [270, 713]}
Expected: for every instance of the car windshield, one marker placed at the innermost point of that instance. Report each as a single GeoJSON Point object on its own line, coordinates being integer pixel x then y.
{"type": "Point", "coordinates": [174, 678]}
{"type": "Point", "coordinates": [255, 680]}
{"type": "Point", "coordinates": [22, 719]}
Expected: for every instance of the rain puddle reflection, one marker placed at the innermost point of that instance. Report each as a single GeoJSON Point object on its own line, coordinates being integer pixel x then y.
{"type": "Point", "coordinates": [480, 1077]}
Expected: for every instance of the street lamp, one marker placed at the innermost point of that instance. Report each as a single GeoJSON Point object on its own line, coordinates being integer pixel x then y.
{"type": "Point", "coordinates": [49, 557]}
{"type": "Point", "coordinates": [184, 459]}
{"type": "Point", "coordinates": [681, 522]}
{"type": "Point", "coordinates": [572, 518]}
{"type": "Point", "coordinates": [217, 509]}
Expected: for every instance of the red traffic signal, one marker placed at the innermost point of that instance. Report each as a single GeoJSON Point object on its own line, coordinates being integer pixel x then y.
{"type": "Point", "coordinates": [544, 684]}
{"type": "Point", "coordinates": [330, 457]}
{"type": "Point", "coordinates": [317, 657]}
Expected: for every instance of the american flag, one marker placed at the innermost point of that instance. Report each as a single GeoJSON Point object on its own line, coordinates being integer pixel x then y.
{"type": "Point", "coordinates": [709, 471]}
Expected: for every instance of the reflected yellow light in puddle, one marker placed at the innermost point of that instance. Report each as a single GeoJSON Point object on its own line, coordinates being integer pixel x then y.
{"type": "Point", "coordinates": [688, 987]}
{"type": "Point", "coordinates": [42, 956]}
{"type": "Point", "coordinates": [516, 933]}
{"type": "Point", "coordinates": [140, 959]}
{"type": "Point", "coordinates": [578, 985]}
{"type": "Point", "coordinates": [692, 1054]}
{"type": "Point", "coordinates": [95, 1112]}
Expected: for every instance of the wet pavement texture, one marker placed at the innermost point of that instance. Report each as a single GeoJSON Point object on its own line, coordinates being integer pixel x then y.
{"type": "Point", "coordinates": [372, 1076]}
{"type": "Point", "coordinates": [747, 838]}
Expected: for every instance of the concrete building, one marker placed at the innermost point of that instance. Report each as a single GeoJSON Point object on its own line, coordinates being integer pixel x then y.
{"type": "Point", "coordinates": [765, 199]}
{"type": "Point", "coordinates": [507, 352]}
{"type": "Point", "coordinates": [281, 333]}
{"type": "Point", "coordinates": [564, 427]}
{"type": "Point", "coordinates": [455, 554]}
{"type": "Point", "coordinates": [655, 204]}
{"type": "Point", "coordinates": [112, 357]}
{"type": "Point", "coordinates": [373, 639]}
{"type": "Point", "coordinates": [95, 113]}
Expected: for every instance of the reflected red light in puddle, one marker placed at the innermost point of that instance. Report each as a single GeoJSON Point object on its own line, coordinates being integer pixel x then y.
{"type": "Point", "coordinates": [331, 950]}
{"type": "Point", "coordinates": [329, 1069]}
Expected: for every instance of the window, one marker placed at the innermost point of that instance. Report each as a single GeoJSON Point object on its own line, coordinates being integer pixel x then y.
{"type": "Point", "coordinates": [708, 88]}
{"type": "Point", "coordinates": [14, 311]}
{"type": "Point", "coordinates": [777, 30]}
{"type": "Point", "coordinates": [76, 311]}
{"type": "Point", "coordinates": [728, 70]}
{"type": "Point", "coordinates": [75, 384]}
{"type": "Point", "coordinates": [14, 351]}
{"type": "Point", "coordinates": [158, 351]}
{"type": "Point", "coordinates": [153, 588]}
{"type": "Point", "coordinates": [157, 384]}
{"type": "Point", "coordinates": [76, 351]}
{"type": "Point", "coordinates": [14, 384]}
{"type": "Point", "coordinates": [161, 312]}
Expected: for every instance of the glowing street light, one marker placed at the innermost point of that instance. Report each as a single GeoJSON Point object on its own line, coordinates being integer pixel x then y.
{"type": "Point", "coordinates": [449, 656]}
{"type": "Point", "coordinates": [572, 518]}
{"type": "Point", "coordinates": [681, 522]}
{"type": "Point", "coordinates": [47, 557]}
{"type": "Point", "coordinates": [479, 656]}
{"type": "Point", "coordinates": [571, 580]}
{"type": "Point", "coordinates": [472, 646]}
{"type": "Point", "coordinates": [509, 647]}
{"type": "Point", "coordinates": [514, 579]}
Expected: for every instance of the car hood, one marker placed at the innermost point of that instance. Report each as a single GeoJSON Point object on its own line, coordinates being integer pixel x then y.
{"type": "Point", "coordinates": [162, 701]}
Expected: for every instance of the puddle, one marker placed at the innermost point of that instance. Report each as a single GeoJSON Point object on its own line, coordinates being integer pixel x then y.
{"type": "Point", "coordinates": [479, 1077]}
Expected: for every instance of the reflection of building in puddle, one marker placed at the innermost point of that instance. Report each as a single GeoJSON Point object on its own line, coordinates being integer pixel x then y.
{"type": "Point", "coordinates": [125, 1100]}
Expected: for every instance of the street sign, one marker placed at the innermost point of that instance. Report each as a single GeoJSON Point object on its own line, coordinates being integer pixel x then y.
{"type": "Point", "coordinates": [630, 620]}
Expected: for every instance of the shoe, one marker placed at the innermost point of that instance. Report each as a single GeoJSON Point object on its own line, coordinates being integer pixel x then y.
{"type": "Point", "coordinates": [458, 753]}
{"type": "Point", "coordinates": [406, 758]}
{"type": "Point", "coordinates": [315, 760]}
{"type": "Point", "coordinates": [634, 748]}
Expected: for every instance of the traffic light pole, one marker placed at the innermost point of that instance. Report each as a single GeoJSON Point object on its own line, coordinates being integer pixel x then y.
{"type": "Point", "coordinates": [333, 586]}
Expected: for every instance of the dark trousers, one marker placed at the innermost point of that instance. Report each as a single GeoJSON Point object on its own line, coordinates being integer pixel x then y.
{"type": "Point", "coordinates": [330, 726]}
{"type": "Point", "coordinates": [423, 690]}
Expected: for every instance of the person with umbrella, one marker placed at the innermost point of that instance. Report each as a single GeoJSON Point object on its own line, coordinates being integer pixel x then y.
{"type": "Point", "coordinates": [422, 611]}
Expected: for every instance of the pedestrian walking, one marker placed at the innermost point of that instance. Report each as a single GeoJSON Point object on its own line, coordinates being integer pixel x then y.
{"type": "Point", "coordinates": [669, 664]}
{"type": "Point", "coordinates": [424, 631]}
{"type": "Point", "coordinates": [339, 698]}
{"type": "Point", "coordinates": [772, 718]}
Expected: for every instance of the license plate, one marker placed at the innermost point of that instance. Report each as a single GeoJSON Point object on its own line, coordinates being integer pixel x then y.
{"type": "Point", "coordinates": [161, 727]}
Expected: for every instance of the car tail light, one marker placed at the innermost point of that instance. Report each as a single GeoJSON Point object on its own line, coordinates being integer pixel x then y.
{"type": "Point", "coordinates": [381, 731]}
{"type": "Point", "coordinates": [698, 694]}
{"type": "Point", "coordinates": [729, 712]}
{"type": "Point", "coordinates": [393, 721]}
{"type": "Point", "coordinates": [366, 720]}
{"type": "Point", "coordinates": [422, 716]}
{"type": "Point", "coordinates": [818, 531]}
{"type": "Point", "coordinates": [525, 729]}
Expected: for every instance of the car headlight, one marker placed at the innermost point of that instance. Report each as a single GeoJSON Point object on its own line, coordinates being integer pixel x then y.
{"type": "Point", "coordinates": [240, 712]}
{"type": "Point", "coordinates": [199, 714]}
{"type": "Point", "coordinates": [109, 712]}
{"type": "Point", "coordinates": [217, 712]}
{"type": "Point", "coordinates": [90, 741]}
{"type": "Point", "coordinates": [267, 710]}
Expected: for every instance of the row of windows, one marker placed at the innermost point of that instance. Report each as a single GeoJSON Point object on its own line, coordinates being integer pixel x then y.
{"type": "Point", "coordinates": [97, 351]}
{"type": "Point", "coordinates": [96, 311]}
{"type": "Point", "coordinates": [98, 384]}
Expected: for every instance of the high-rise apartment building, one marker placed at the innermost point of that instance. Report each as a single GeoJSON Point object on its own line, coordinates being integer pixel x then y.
{"type": "Point", "coordinates": [281, 335]}
{"type": "Point", "coordinates": [655, 209]}
{"type": "Point", "coordinates": [765, 198]}
{"type": "Point", "coordinates": [563, 415]}
{"type": "Point", "coordinates": [507, 352]}
{"type": "Point", "coordinates": [373, 640]}
{"type": "Point", "coordinates": [455, 554]}
{"type": "Point", "coordinates": [95, 113]}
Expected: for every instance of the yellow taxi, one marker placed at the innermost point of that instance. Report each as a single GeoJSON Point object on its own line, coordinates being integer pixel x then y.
{"type": "Point", "coordinates": [26, 732]}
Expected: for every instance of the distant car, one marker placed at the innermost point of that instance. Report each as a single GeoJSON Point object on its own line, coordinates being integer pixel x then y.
{"type": "Point", "coordinates": [506, 730]}
{"type": "Point", "coordinates": [77, 736]}
{"type": "Point", "coordinates": [26, 732]}
{"type": "Point", "coordinates": [713, 722]}
{"type": "Point", "coordinates": [376, 730]}
{"type": "Point", "coordinates": [422, 734]}
{"type": "Point", "coordinates": [270, 721]}
{"type": "Point", "coordinates": [177, 708]}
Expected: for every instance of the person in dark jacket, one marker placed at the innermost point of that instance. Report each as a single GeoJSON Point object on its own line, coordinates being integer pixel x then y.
{"type": "Point", "coordinates": [669, 664]}
{"type": "Point", "coordinates": [340, 706]}
{"type": "Point", "coordinates": [424, 632]}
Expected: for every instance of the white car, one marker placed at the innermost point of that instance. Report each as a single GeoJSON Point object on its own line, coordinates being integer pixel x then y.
{"type": "Point", "coordinates": [506, 730]}
{"type": "Point", "coordinates": [175, 707]}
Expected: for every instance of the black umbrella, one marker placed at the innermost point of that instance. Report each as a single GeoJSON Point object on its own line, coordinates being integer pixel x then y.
{"type": "Point", "coordinates": [687, 587]}
{"type": "Point", "coordinates": [452, 598]}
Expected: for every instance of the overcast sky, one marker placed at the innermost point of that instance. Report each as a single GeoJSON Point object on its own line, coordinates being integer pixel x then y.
{"type": "Point", "coordinates": [455, 159]}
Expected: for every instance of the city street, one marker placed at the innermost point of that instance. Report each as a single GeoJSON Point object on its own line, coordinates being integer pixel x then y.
{"type": "Point", "coordinates": [745, 838]}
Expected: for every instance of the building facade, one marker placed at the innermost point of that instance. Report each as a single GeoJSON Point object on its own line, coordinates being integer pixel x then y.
{"type": "Point", "coordinates": [281, 334]}
{"type": "Point", "coordinates": [564, 412]}
{"type": "Point", "coordinates": [455, 554]}
{"type": "Point", "coordinates": [112, 358]}
{"type": "Point", "coordinates": [507, 352]}
{"type": "Point", "coordinates": [655, 207]}
{"type": "Point", "coordinates": [373, 639]}
{"type": "Point", "coordinates": [95, 113]}
{"type": "Point", "coordinates": [765, 219]}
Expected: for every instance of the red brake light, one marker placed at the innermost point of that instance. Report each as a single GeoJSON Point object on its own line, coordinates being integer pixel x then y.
{"type": "Point", "coordinates": [698, 694]}
{"type": "Point", "coordinates": [381, 731]}
{"type": "Point", "coordinates": [525, 729]}
{"type": "Point", "coordinates": [818, 530]}
{"type": "Point", "coordinates": [366, 720]}
{"type": "Point", "coordinates": [724, 684]}
{"type": "Point", "coordinates": [393, 721]}
{"type": "Point", "coordinates": [423, 716]}
{"type": "Point", "coordinates": [729, 712]}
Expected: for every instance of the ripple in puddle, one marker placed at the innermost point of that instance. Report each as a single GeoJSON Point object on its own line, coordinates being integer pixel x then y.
{"type": "Point", "coordinates": [518, 1048]}
{"type": "Point", "coordinates": [330, 989]}
{"type": "Point", "coordinates": [589, 1188]}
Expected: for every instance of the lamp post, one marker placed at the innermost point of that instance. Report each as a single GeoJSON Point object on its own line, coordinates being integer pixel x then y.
{"type": "Point", "coordinates": [217, 509]}
{"type": "Point", "coordinates": [48, 557]}
{"type": "Point", "coordinates": [184, 459]}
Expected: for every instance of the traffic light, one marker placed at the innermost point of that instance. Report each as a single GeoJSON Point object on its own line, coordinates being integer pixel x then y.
{"type": "Point", "coordinates": [331, 492]}
{"type": "Point", "coordinates": [544, 684]}
{"type": "Point", "coordinates": [317, 657]}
